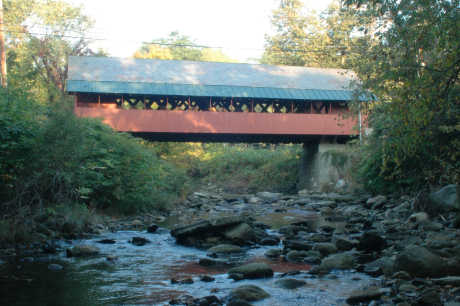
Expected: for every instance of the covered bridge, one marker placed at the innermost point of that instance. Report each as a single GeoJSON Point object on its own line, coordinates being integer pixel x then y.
{"type": "Point", "coordinates": [212, 102]}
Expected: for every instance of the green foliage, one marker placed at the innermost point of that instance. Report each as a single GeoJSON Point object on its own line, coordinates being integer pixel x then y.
{"type": "Point", "coordinates": [411, 63]}
{"type": "Point", "coordinates": [239, 168]}
{"type": "Point", "coordinates": [41, 35]}
{"type": "Point", "coordinates": [61, 159]}
{"type": "Point", "coordinates": [180, 47]}
{"type": "Point", "coordinates": [19, 121]}
{"type": "Point", "coordinates": [310, 39]}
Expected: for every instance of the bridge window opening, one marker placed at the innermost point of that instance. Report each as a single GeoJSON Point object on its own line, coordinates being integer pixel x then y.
{"type": "Point", "coordinates": [216, 104]}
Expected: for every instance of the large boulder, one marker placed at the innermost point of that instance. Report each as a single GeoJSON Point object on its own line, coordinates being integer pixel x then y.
{"type": "Point", "coordinates": [419, 261]}
{"type": "Point", "coordinates": [340, 261]}
{"type": "Point", "coordinates": [197, 228]}
{"type": "Point", "coordinates": [241, 234]}
{"type": "Point", "coordinates": [325, 248]}
{"type": "Point", "coordinates": [251, 271]}
{"type": "Point", "coordinates": [446, 199]}
{"type": "Point", "coordinates": [197, 232]}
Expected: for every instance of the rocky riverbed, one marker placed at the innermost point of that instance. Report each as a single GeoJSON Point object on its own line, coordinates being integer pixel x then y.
{"type": "Point", "coordinates": [262, 249]}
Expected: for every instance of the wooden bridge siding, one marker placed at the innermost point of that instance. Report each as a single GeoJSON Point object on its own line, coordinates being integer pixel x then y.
{"type": "Point", "coordinates": [165, 121]}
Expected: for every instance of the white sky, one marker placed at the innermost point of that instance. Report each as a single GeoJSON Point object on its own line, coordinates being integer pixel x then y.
{"type": "Point", "coordinates": [239, 26]}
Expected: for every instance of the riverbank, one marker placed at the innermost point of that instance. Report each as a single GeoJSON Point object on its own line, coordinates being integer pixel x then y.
{"type": "Point", "coordinates": [384, 250]}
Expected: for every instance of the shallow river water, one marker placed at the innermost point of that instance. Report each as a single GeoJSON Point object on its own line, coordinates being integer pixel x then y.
{"type": "Point", "coordinates": [141, 275]}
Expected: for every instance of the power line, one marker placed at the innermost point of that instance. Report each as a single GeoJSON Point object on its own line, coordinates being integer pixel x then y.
{"type": "Point", "coordinates": [176, 45]}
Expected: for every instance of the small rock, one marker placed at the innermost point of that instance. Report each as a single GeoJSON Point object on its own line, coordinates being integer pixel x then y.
{"type": "Point", "coordinates": [418, 217]}
{"type": "Point", "coordinates": [327, 228]}
{"type": "Point", "coordinates": [182, 281]}
{"type": "Point", "coordinates": [106, 241]}
{"type": "Point", "coordinates": [235, 276]}
{"type": "Point", "coordinates": [225, 249]}
{"type": "Point", "coordinates": [249, 293]}
{"type": "Point", "coordinates": [28, 259]}
{"type": "Point", "coordinates": [207, 278]}
{"type": "Point", "coordinates": [136, 223]}
{"type": "Point", "coordinates": [376, 202]}
{"type": "Point", "coordinates": [238, 302]}
{"type": "Point", "coordinates": [407, 288]}
{"type": "Point", "coordinates": [431, 226]}
{"type": "Point", "coordinates": [290, 283]}
{"type": "Point", "coordinates": [210, 300]}
{"type": "Point", "coordinates": [186, 281]}
{"type": "Point", "coordinates": [372, 270]}
{"type": "Point", "coordinates": [344, 244]}
{"type": "Point", "coordinates": [401, 275]}
{"type": "Point", "coordinates": [139, 241]}
{"type": "Point", "coordinates": [55, 267]}
{"type": "Point", "coordinates": [273, 253]}
{"type": "Point", "coordinates": [82, 251]}
{"type": "Point", "coordinates": [296, 256]}
{"type": "Point", "coordinates": [297, 245]}
{"type": "Point", "coordinates": [325, 248]}
{"type": "Point", "coordinates": [152, 228]}
{"type": "Point", "coordinates": [49, 248]}
{"type": "Point", "coordinates": [371, 241]}
{"type": "Point", "coordinates": [430, 297]}
{"type": "Point", "coordinates": [364, 296]}
{"type": "Point", "coordinates": [111, 258]}
{"type": "Point", "coordinates": [253, 270]}
{"type": "Point", "coordinates": [271, 240]}
{"type": "Point", "coordinates": [207, 262]}
{"type": "Point", "coordinates": [269, 196]}
{"type": "Point", "coordinates": [384, 264]}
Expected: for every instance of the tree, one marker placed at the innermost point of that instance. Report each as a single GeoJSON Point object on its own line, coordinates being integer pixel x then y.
{"type": "Point", "coordinates": [288, 45]}
{"type": "Point", "coordinates": [41, 36]}
{"type": "Point", "coordinates": [180, 47]}
{"type": "Point", "coordinates": [410, 60]}
{"type": "Point", "coordinates": [311, 40]}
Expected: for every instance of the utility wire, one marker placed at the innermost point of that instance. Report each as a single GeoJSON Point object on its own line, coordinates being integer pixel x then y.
{"type": "Point", "coordinates": [174, 45]}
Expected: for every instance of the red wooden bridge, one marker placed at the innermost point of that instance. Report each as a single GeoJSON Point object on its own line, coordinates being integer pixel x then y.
{"type": "Point", "coordinates": [212, 102]}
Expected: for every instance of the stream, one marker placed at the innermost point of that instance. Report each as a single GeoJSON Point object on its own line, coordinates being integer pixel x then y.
{"type": "Point", "coordinates": [141, 275]}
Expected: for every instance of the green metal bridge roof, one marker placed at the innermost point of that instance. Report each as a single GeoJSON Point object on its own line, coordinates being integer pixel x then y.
{"type": "Point", "coordinates": [206, 79]}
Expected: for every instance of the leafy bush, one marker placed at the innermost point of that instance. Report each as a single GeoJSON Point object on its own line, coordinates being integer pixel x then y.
{"type": "Point", "coordinates": [240, 168]}
{"type": "Point", "coordinates": [19, 122]}
{"type": "Point", "coordinates": [62, 159]}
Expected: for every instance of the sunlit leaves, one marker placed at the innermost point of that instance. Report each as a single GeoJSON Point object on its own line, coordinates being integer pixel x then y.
{"type": "Point", "coordinates": [412, 63]}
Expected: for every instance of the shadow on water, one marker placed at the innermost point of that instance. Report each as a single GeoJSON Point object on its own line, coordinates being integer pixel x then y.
{"type": "Point", "coordinates": [34, 284]}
